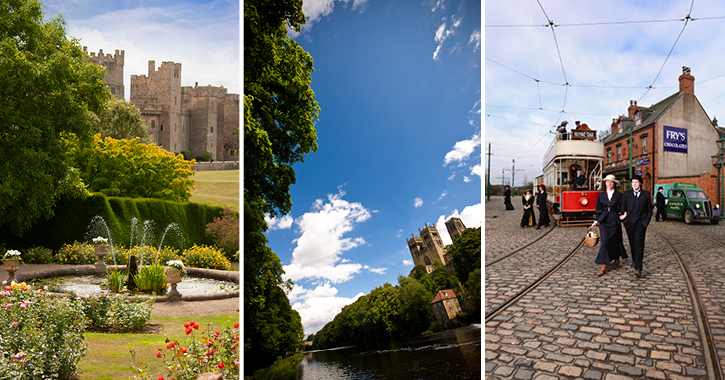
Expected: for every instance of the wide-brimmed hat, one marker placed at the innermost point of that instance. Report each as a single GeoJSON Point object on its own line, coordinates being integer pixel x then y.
{"type": "Point", "coordinates": [527, 191]}
{"type": "Point", "coordinates": [637, 177]}
{"type": "Point", "coordinates": [610, 177]}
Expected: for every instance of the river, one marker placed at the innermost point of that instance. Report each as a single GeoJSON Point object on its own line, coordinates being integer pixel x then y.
{"type": "Point", "coordinates": [448, 355]}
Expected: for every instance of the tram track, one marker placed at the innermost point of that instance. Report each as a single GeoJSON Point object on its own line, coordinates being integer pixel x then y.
{"type": "Point", "coordinates": [499, 309]}
{"type": "Point", "coordinates": [489, 263]}
{"type": "Point", "coordinates": [710, 351]}
{"type": "Point", "coordinates": [718, 242]}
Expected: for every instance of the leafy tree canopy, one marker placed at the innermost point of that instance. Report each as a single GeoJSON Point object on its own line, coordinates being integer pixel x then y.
{"type": "Point", "coordinates": [128, 168]}
{"type": "Point", "coordinates": [122, 120]}
{"type": "Point", "coordinates": [466, 253]}
{"type": "Point", "coordinates": [280, 106]}
{"type": "Point", "coordinates": [47, 89]}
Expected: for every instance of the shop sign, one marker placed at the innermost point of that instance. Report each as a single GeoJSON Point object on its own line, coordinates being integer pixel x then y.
{"type": "Point", "coordinates": [675, 139]}
{"type": "Point", "coordinates": [642, 161]}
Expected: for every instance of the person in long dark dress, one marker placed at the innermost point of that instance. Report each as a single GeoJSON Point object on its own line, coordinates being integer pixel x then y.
{"type": "Point", "coordinates": [543, 209]}
{"type": "Point", "coordinates": [507, 198]}
{"type": "Point", "coordinates": [637, 210]}
{"type": "Point", "coordinates": [529, 219]}
{"type": "Point", "coordinates": [611, 244]}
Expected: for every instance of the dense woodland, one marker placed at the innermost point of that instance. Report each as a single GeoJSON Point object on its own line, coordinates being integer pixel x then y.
{"type": "Point", "coordinates": [404, 311]}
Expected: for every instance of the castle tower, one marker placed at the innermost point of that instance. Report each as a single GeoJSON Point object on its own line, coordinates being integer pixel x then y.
{"type": "Point", "coordinates": [427, 248]}
{"type": "Point", "coordinates": [158, 97]}
{"type": "Point", "coordinates": [455, 227]}
{"type": "Point", "coordinates": [207, 122]}
{"type": "Point", "coordinates": [229, 139]}
{"type": "Point", "coordinates": [114, 69]}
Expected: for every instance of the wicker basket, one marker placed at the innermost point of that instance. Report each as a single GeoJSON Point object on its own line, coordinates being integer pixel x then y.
{"type": "Point", "coordinates": [592, 236]}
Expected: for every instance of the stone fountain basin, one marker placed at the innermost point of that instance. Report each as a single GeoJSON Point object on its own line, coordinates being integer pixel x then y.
{"type": "Point", "coordinates": [198, 285]}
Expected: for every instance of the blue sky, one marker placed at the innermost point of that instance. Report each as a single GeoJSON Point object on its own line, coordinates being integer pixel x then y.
{"type": "Point", "coordinates": [399, 134]}
{"type": "Point", "coordinates": [201, 35]}
{"type": "Point", "coordinates": [608, 52]}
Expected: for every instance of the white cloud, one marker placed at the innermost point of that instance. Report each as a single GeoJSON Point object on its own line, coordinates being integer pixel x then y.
{"type": "Point", "coordinates": [408, 263]}
{"type": "Point", "coordinates": [471, 216]}
{"type": "Point", "coordinates": [314, 10]}
{"type": "Point", "coordinates": [318, 250]}
{"type": "Point", "coordinates": [278, 223]}
{"type": "Point", "coordinates": [439, 5]}
{"type": "Point", "coordinates": [462, 150]}
{"type": "Point", "coordinates": [477, 170]}
{"type": "Point", "coordinates": [375, 270]}
{"type": "Point", "coordinates": [318, 306]}
{"type": "Point", "coordinates": [418, 202]}
{"type": "Point", "coordinates": [466, 179]}
{"type": "Point", "coordinates": [452, 176]}
{"type": "Point", "coordinates": [443, 194]}
{"type": "Point", "coordinates": [475, 39]}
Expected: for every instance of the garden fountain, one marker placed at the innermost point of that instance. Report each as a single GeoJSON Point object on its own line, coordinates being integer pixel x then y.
{"type": "Point", "coordinates": [199, 284]}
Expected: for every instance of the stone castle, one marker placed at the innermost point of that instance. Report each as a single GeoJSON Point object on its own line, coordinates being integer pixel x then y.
{"type": "Point", "coordinates": [428, 247]}
{"type": "Point", "coordinates": [179, 118]}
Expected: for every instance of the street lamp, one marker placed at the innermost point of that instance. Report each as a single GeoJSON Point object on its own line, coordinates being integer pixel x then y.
{"type": "Point", "coordinates": [721, 147]}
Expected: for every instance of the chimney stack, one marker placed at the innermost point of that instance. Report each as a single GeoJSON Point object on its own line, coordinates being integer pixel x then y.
{"type": "Point", "coordinates": [687, 81]}
{"type": "Point", "coordinates": [632, 108]}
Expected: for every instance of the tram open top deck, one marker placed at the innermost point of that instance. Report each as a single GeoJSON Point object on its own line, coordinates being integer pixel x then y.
{"type": "Point", "coordinates": [560, 164]}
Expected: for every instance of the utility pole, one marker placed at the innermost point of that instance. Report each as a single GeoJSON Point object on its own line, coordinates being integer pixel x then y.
{"type": "Point", "coordinates": [513, 173]}
{"type": "Point", "coordinates": [503, 178]}
{"type": "Point", "coordinates": [488, 174]}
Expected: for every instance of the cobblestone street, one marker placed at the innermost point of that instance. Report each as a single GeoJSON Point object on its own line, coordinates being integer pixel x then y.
{"type": "Point", "coordinates": [575, 324]}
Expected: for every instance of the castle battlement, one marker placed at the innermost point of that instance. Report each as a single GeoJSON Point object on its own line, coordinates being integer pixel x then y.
{"type": "Point", "coordinates": [205, 91]}
{"type": "Point", "coordinates": [428, 247]}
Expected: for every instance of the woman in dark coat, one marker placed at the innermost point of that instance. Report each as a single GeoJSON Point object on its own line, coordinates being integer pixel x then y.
{"type": "Point", "coordinates": [611, 245]}
{"type": "Point", "coordinates": [529, 219]}
{"type": "Point", "coordinates": [507, 198]}
{"type": "Point", "coordinates": [543, 209]}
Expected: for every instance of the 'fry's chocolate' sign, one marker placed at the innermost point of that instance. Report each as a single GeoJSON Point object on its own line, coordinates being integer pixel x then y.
{"type": "Point", "coordinates": [675, 139]}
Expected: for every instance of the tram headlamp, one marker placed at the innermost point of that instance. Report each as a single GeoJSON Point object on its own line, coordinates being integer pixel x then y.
{"type": "Point", "coordinates": [584, 201]}
{"type": "Point", "coordinates": [717, 206]}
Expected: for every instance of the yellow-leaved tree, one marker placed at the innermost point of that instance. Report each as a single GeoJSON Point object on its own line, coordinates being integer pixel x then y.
{"type": "Point", "coordinates": [129, 168]}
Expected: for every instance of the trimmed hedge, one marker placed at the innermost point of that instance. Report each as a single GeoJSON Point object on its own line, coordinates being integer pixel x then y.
{"type": "Point", "coordinates": [73, 216]}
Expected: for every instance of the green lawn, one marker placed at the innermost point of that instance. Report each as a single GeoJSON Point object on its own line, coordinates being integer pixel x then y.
{"type": "Point", "coordinates": [216, 187]}
{"type": "Point", "coordinates": [108, 355]}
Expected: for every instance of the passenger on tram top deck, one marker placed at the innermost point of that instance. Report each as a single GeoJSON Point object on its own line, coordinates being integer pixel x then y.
{"type": "Point", "coordinates": [561, 131]}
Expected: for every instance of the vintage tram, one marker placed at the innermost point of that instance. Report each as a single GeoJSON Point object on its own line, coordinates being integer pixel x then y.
{"type": "Point", "coordinates": [574, 200]}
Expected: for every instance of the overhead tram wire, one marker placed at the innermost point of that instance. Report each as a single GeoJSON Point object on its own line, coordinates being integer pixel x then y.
{"type": "Point", "coordinates": [686, 19]}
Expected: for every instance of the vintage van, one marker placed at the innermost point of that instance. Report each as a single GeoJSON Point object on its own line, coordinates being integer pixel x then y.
{"type": "Point", "coordinates": [687, 201]}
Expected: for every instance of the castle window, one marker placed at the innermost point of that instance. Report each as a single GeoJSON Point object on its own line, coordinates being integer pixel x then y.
{"type": "Point", "coordinates": [113, 90]}
{"type": "Point", "coordinates": [162, 127]}
{"type": "Point", "coordinates": [426, 260]}
{"type": "Point", "coordinates": [211, 129]}
{"type": "Point", "coordinates": [153, 124]}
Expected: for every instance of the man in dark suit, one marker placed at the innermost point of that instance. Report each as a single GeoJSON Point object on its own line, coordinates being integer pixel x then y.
{"type": "Point", "coordinates": [637, 206]}
{"type": "Point", "coordinates": [579, 181]}
{"type": "Point", "coordinates": [661, 206]}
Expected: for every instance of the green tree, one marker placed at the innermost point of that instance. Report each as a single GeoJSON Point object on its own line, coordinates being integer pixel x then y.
{"type": "Point", "coordinates": [466, 253]}
{"type": "Point", "coordinates": [128, 168]}
{"type": "Point", "coordinates": [415, 311]}
{"type": "Point", "coordinates": [280, 106]}
{"type": "Point", "coordinates": [279, 116]}
{"type": "Point", "coordinates": [47, 90]}
{"type": "Point", "coordinates": [122, 120]}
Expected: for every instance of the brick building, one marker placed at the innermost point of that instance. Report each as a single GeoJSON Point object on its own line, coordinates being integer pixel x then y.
{"type": "Point", "coordinates": [673, 140]}
{"type": "Point", "coordinates": [446, 307]}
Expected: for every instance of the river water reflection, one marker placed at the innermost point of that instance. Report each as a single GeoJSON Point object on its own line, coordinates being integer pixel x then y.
{"type": "Point", "coordinates": [448, 355]}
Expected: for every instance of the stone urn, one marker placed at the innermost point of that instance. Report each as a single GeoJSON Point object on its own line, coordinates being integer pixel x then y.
{"type": "Point", "coordinates": [173, 277]}
{"type": "Point", "coordinates": [11, 266]}
{"type": "Point", "coordinates": [101, 252]}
